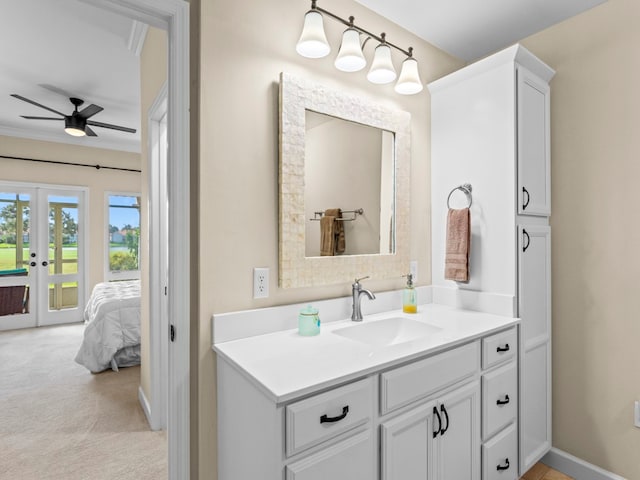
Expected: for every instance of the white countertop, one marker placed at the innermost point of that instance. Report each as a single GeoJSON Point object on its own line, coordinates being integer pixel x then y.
{"type": "Point", "coordinates": [285, 365]}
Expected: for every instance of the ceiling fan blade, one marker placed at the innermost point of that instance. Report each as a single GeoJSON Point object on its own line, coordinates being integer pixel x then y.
{"type": "Point", "coordinates": [90, 132]}
{"type": "Point", "coordinates": [20, 97]}
{"type": "Point", "coordinates": [112, 127]}
{"type": "Point", "coordinates": [90, 111]}
{"type": "Point", "coordinates": [29, 117]}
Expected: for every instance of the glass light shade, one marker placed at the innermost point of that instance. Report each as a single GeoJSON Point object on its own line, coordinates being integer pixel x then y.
{"type": "Point", "coordinates": [76, 132]}
{"type": "Point", "coordinates": [409, 82]}
{"type": "Point", "coordinates": [350, 57]}
{"type": "Point", "coordinates": [382, 70]}
{"type": "Point", "coordinates": [313, 42]}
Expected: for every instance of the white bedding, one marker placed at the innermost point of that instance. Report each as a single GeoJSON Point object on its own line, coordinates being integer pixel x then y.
{"type": "Point", "coordinates": [112, 318]}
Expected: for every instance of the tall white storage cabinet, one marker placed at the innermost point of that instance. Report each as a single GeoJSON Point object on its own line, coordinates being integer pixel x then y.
{"type": "Point", "coordinates": [490, 128]}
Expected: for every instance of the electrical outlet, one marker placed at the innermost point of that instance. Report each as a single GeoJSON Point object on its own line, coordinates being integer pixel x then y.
{"type": "Point", "coordinates": [636, 417]}
{"type": "Point", "coordinates": [413, 269]}
{"type": "Point", "coordinates": [260, 282]}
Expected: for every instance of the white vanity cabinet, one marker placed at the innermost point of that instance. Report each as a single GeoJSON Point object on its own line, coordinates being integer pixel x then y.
{"type": "Point", "coordinates": [490, 128]}
{"type": "Point", "coordinates": [410, 420]}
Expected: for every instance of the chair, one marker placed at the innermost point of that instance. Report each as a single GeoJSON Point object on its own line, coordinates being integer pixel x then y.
{"type": "Point", "coordinates": [14, 298]}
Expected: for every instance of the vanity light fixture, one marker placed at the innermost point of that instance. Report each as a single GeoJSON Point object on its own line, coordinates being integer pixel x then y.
{"type": "Point", "coordinates": [313, 44]}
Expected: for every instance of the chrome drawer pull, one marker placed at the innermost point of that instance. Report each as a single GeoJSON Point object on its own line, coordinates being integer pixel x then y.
{"type": "Point", "coordinates": [325, 419]}
{"type": "Point", "coordinates": [503, 402]}
{"type": "Point", "coordinates": [506, 348]}
{"type": "Point", "coordinates": [505, 467]}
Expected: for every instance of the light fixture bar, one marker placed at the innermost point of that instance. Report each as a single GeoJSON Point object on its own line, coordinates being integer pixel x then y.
{"type": "Point", "coordinates": [349, 23]}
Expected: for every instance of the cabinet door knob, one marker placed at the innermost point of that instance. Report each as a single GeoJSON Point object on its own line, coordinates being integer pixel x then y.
{"type": "Point", "coordinates": [446, 416]}
{"type": "Point", "coordinates": [505, 466]}
{"type": "Point", "coordinates": [439, 429]}
{"type": "Point", "coordinates": [503, 402]}
{"type": "Point", "coordinates": [325, 419]}
{"type": "Point", "coordinates": [525, 204]}
{"type": "Point", "coordinates": [503, 349]}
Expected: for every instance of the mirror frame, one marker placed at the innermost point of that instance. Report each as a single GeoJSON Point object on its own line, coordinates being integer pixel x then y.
{"type": "Point", "coordinates": [295, 270]}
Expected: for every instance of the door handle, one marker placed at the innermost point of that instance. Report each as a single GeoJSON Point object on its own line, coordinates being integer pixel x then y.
{"type": "Point", "coordinates": [45, 263]}
{"type": "Point", "coordinates": [525, 204]}
{"type": "Point", "coordinates": [446, 416]}
{"type": "Point", "coordinates": [325, 419]}
{"type": "Point", "coordinates": [33, 255]}
{"type": "Point", "coordinates": [435, 412]}
{"type": "Point", "coordinates": [33, 264]}
{"type": "Point", "coordinates": [525, 246]}
{"type": "Point", "coordinates": [503, 402]}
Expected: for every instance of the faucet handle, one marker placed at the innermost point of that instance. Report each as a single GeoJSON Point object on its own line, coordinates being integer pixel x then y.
{"type": "Point", "coordinates": [357, 280]}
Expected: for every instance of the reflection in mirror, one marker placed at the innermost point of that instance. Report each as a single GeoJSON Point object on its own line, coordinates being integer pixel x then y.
{"type": "Point", "coordinates": [387, 254]}
{"type": "Point", "coordinates": [349, 166]}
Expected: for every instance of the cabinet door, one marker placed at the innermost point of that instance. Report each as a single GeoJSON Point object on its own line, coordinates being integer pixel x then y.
{"type": "Point", "coordinates": [352, 459]}
{"type": "Point", "coordinates": [406, 444]}
{"type": "Point", "coordinates": [534, 303]}
{"type": "Point", "coordinates": [456, 449]}
{"type": "Point", "coordinates": [534, 189]}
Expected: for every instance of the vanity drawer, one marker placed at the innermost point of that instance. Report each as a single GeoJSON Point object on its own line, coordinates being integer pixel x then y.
{"type": "Point", "coordinates": [499, 399]}
{"type": "Point", "coordinates": [321, 417]}
{"type": "Point", "coordinates": [499, 348]}
{"type": "Point", "coordinates": [500, 456]}
{"type": "Point", "coordinates": [420, 379]}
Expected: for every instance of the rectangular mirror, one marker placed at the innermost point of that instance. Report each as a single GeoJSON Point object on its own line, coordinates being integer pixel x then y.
{"type": "Point", "coordinates": [339, 151]}
{"type": "Point", "coordinates": [350, 165]}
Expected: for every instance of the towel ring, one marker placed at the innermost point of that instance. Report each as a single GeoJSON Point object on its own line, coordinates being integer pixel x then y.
{"type": "Point", "coordinates": [466, 189]}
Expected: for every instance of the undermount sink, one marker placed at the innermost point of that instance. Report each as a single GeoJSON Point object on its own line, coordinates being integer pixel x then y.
{"type": "Point", "coordinates": [390, 331]}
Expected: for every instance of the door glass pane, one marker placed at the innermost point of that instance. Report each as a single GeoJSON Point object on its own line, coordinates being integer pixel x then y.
{"type": "Point", "coordinates": [14, 232]}
{"type": "Point", "coordinates": [63, 295]}
{"type": "Point", "coordinates": [124, 233]}
{"type": "Point", "coordinates": [14, 253]}
{"type": "Point", "coordinates": [63, 235]}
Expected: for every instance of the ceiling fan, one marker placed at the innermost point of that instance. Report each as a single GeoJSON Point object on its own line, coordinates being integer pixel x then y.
{"type": "Point", "coordinates": [78, 123]}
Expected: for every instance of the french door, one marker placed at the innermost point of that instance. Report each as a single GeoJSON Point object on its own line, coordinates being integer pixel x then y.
{"type": "Point", "coordinates": [42, 251]}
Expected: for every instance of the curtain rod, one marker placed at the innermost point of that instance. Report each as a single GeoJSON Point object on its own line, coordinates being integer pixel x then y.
{"type": "Point", "coordinates": [96, 166]}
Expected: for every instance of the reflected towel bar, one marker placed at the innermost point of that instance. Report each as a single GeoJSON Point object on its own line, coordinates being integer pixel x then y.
{"type": "Point", "coordinates": [359, 211]}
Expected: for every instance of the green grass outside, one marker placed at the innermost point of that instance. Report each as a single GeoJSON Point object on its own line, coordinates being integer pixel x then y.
{"type": "Point", "coordinates": [8, 258]}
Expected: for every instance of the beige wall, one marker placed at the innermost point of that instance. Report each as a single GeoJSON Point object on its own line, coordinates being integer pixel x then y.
{"type": "Point", "coordinates": [153, 75]}
{"type": "Point", "coordinates": [98, 181]}
{"type": "Point", "coordinates": [595, 116]}
{"type": "Point", "coordinates": [244, 46]}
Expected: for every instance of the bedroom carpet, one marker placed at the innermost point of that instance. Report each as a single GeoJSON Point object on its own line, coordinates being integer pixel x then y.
{"type": "Point", "coordinates": [59, 421]}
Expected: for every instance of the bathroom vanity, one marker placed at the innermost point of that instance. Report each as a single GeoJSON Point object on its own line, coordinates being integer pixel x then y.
{"type": "Point", "coordinates": [397, 397]}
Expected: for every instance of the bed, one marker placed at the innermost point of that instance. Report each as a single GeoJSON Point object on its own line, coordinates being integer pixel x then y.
{"type": "Point", "coordinates": [112, 331]}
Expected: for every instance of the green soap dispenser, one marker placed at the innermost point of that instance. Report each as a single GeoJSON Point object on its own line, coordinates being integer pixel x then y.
{"type": "Point", "coordinates": [409, 297]}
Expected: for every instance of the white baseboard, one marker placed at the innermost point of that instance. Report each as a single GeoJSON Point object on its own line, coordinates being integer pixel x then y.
{"type": "Point", "coordinates": [575, 467]}
{"type": "Point", "coordinates": [144, 403]}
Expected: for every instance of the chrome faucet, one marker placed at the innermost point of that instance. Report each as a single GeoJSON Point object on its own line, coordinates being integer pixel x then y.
{"type": "Point", "coordinates": [356, 294]}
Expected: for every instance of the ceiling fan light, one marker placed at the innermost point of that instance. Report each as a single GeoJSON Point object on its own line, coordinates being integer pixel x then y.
{"type": "Point", "coordinates": [350, 57]}
{"type": "Point", "coordinates": [382, 70]}
{"type": "Point", "coordinates": [409, 82]}
{"type": "Point", "coordinates": [313, 42]}
{"type": "Point", "coordinates": [74, 126]}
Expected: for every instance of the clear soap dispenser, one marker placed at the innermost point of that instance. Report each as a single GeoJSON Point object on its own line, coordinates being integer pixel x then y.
{"type": "Point", "coordinates": [409, 298]}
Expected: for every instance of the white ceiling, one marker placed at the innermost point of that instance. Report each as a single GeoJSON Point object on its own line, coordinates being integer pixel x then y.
{"type": "Point", "coordinates": [52, 50]}
{"type": "Point", "coordinates": [471, 29]}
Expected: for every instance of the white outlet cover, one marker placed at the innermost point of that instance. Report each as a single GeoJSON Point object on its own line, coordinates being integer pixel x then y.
{"type": "Point", "coordinates": [260, 282]}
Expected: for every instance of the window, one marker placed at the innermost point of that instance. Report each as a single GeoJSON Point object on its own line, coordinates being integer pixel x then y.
{"type": "Point", "coordinates": [123, 236]}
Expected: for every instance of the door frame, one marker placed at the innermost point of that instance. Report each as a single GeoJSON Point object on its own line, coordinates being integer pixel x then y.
{"type": "Point", "coordinates": [157, 165]}
{"type": "Point", "coordinates": [173, 16]}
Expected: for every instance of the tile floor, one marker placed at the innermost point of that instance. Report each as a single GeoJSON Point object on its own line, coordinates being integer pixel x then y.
{"type": "Point", "coordinates": [541, 472]}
